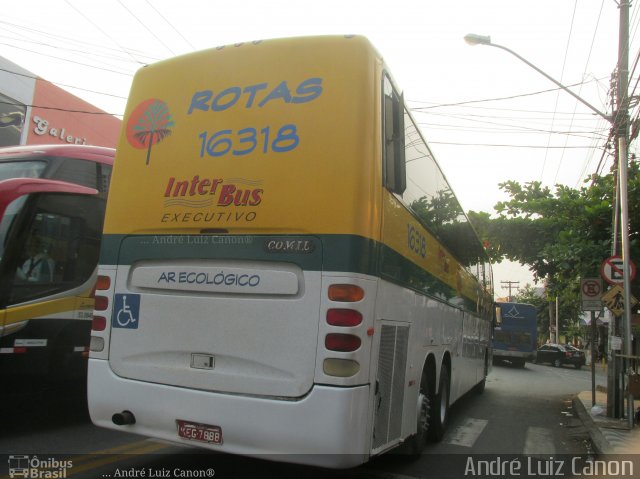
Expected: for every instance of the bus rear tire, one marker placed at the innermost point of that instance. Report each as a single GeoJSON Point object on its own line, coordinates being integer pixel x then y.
{"type": "Point", "coordinates": [418, 441]}
{"type": "Point", "coordinates": [440, 409]}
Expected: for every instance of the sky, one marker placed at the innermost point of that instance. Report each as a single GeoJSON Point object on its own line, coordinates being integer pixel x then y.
{"type": "Point", "coordinates": [487, 116]}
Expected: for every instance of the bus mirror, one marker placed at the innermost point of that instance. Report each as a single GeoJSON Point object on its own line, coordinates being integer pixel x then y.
{"type": "Point", "coordinates": [498, 319]}
{"type": "Point", "coordinates": [399, 147]}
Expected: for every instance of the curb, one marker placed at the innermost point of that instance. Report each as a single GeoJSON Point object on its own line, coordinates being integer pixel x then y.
{"type": "Point", "coordinates": [600, 443]}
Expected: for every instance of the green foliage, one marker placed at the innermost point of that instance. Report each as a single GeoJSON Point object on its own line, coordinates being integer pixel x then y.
{"type": "Point", "coordinates": [562, 234]}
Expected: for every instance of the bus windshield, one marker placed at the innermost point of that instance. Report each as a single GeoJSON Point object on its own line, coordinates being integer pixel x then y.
{"type": "Point", "coordinates": [7, 220]}
{"type": "Point", "coordinates": [21, 169]}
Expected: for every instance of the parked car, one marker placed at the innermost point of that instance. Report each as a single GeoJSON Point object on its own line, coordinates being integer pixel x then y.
{"type": "Point", "coordinates": [560, 354]}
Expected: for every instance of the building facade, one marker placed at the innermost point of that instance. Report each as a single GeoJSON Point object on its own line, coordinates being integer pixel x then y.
{"type": "Point", "coordinates": [34, 111]}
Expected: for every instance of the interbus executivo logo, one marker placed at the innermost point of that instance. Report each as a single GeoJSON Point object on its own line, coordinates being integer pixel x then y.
{"type": "Point", "coordinates": [149, 124]}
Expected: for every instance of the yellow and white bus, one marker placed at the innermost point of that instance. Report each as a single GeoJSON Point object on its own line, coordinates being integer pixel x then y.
{"type": "Point", "coordinates": [285, 272]}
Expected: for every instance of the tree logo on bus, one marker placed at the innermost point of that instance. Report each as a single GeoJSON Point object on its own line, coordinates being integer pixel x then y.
{"type": "Point", "coordinates": [149, 124]}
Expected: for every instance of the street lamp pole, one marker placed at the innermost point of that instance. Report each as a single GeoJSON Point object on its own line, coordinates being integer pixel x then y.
{"type": "Point", "coordinates": [619, 122]}
{"type": "Point", "coordinates": [474, 39]}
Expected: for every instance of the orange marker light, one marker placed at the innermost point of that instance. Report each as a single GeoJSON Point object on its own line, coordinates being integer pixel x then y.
{"type": "Point", "coordinates": [347, 293]}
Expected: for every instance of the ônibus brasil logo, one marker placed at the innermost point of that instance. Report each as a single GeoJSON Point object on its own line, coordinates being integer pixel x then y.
{"type": "Point", "coordinates": [149, 124]}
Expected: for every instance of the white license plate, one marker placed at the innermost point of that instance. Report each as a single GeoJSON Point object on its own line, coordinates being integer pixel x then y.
{"type": "Point", "coordinates": [199, 432]}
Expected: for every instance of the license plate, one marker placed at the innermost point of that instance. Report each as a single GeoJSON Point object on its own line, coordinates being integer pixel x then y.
{"type": "Point", "coordinates": [199, 432]}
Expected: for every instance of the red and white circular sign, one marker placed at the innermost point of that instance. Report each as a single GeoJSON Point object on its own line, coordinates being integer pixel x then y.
{"type": "Point", "coordinates": [612, 270]}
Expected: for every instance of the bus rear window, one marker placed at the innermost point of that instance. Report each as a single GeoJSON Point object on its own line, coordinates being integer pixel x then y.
{"type": "Point", "coordinates": [21, 169]}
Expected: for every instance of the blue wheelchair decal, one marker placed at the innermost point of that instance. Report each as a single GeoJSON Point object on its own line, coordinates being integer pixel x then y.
{"type": "Point", "coordinates": [126, 311]}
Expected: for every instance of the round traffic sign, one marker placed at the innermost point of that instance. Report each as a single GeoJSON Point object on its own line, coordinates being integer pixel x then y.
{"type": "Point", "coordinates": [592, 288]}
{"type": "Point", "coordinates": [612, 270]}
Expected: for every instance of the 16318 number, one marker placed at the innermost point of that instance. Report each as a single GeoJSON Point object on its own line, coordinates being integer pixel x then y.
{"type": "Point", "coordinates": [417, 241]}
{"type": "Point", "coordinates": [248, 140]}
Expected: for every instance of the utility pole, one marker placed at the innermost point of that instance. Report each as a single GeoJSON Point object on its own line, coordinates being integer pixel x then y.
{"type": "Point", "coordinates": [621, 128]}
{"type": "Point", "coordinates": [620, 123]}
{"type": "Point", "coordinates": [511, 285]}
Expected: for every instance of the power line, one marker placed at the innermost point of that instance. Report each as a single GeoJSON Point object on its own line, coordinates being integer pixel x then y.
{"type": "Point", "coordinates": [59, 109]}
{"type": "Point", "coordinates": [147, 28]}
{"type": "Point", "coordinates": [171, 25]}
{"type": "Point", "coordinates": [104, 33]}
{"type": "Point", "coordinates": [34, 77]}
{"type": "Point", "coordinates": [564, 64]}
{"type": "Point", "coordinates": [521, 95]}
{"type": "Point", "coordinates": [508, 146]}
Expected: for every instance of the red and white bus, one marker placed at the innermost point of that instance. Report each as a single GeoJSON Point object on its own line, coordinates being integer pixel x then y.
{"type": "Point", "coordinates": [52, 201]}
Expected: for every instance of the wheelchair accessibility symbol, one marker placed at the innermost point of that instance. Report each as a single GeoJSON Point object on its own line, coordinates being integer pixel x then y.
{"type": "Point", "coordinates": [126, 311]}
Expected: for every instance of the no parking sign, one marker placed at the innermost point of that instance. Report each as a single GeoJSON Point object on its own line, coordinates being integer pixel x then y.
{"type": "Point", "coordinates": [612, 270]}
{"type": "Point", "coordinates": [591, 293]}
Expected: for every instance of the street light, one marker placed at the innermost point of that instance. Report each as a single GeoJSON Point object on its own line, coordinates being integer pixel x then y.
{"type": "Point", "coordinates": [475, 39]}
{"type": "Point", "coordinates": [619, 121]}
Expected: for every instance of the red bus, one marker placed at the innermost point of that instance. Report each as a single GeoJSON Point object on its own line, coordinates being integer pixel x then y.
{"type": "Point", "coordinates": [52, 201]}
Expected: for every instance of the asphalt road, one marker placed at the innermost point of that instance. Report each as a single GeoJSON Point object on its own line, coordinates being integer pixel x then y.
{"type": "Point", "coordinates": [523, 413]}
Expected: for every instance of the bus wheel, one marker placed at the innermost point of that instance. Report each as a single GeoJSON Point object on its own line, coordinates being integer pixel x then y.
{"type": "Point", "coordinates": [480, 387]}
{"type": "Point", "coordinates": [417, 442]}
{"type": "Point", "coordinates": [440, 412]}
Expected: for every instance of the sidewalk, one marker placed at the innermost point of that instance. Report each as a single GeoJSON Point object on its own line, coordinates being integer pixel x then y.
{"type": "Point", "coordinates": [608, 435]}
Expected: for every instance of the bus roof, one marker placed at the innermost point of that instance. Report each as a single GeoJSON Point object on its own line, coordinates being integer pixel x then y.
{"type": "Point", "coordinates": [100, 154]}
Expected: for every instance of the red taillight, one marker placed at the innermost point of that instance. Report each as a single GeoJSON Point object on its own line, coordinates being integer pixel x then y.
{"type": "Point", "coordinates": [343, 317]}
{"type": "Point", "coordinates": [101, 304]}
{"type": "Point", "coordinates": [567, 354]}
{"type": "Point", "coordinates": [349, 293]}
{"type": "Point", "coordinates": [342, 342]}
{"type": "Point", "coordinates": [103, 283]}
{"type": "Point", "coordinates": [99, 323]}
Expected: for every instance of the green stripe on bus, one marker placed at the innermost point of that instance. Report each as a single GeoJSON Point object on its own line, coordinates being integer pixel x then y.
{"type": "Point", "coordinates": [343, 253]}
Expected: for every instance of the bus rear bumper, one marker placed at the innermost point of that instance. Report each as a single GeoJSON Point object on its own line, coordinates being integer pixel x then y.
{"type": "Point", "coordinates": [528, 356]}
{"type": "Point", "coordinates": [327, 427]}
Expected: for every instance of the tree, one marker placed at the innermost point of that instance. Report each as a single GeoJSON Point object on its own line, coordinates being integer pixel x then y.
{"type": "Point", "coordinates": [153, 126]}
{"type": "Point", "coordinates": [562, 234]}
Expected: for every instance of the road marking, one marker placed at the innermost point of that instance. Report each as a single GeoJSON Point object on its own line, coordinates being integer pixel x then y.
{"type": "Point", "coordinates": [539, 442]}
{"type": "Point", "coordinates": [467, 433]}
{"type": "Point", "coordinates": [91, 461]}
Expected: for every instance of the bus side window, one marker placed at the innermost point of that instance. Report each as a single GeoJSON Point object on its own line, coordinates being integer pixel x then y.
{"type": "Point", "coordinates": [395, 177]}
{"type": "Point", "coordinates": [59, 249]}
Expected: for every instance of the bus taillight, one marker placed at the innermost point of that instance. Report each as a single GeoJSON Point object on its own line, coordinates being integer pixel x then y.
{"type": "Point", "coordinates": [341, 368]}
{"type": "Point", "coordinates": [99, 330]}
{"type": "Point", "coordinates": [346, 293]}
{"type": "Point", "coordinates": [103, 283]}
{"type": "Point", "coordinates": [343, 343]}
{"type": "Point", "coordinates": [99, 323]}
{"type": "Point", "coordinates": [101, 303]}
{"type": "Point", "coordinates": [344, 317]}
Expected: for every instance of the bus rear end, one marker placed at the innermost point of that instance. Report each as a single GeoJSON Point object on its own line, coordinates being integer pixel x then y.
{"type": "Point", "coordinates": [515, 334]}
{"type": "Point", "coordinates": [234, 308]}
